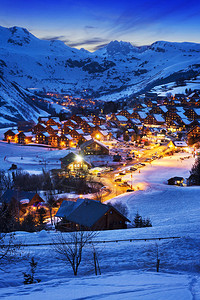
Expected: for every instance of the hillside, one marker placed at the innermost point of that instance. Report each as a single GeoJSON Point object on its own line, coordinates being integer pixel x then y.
{"type": "Point", "coordinates": [128, 267]}
{"type": "Point", "coordinates": [17, 104]}
{"type": "Point", "coordinates": [117, 70]}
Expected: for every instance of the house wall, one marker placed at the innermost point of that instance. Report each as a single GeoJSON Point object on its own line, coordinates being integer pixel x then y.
{"type": "Point", "coordinates": [111, 220]}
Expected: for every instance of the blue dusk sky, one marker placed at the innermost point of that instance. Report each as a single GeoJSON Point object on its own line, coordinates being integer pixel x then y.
{"type": "Point", "coordinates": [91, 24]}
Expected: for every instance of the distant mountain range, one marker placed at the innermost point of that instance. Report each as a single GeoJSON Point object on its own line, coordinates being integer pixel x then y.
{"type": "Point", "coordinates": [115, 71]}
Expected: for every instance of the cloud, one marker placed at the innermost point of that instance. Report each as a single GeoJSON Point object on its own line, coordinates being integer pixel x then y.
{"type": "Point", "coordinates": [100, 46]}
{"type": "Point", "coordinates": [55, 38]}
{"type": "Point", "coordinates": [91, 41]}
{"type": "Point", "coordinates": [141, 15]}
{"type": "Point", "coordinates": [89, 27]}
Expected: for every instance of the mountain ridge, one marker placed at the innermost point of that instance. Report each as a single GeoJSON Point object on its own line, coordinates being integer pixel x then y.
{"type": "Point", "coordinates": [118, 70]}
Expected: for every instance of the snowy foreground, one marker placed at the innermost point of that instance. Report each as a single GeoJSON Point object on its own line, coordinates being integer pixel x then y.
{"type": "Point", "coordinates": [128, 267]}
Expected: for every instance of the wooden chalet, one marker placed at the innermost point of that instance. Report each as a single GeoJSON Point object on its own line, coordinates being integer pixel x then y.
{"type": "Point", "coordinates": [154, 119]}
{"type": "Point", "coordinates": [53, 121]}
{"type": "Point", "coordinates": [193, 113]}
{"type": "Point", "coordinates": [21, 200]}
{"type": "Point", "coordinates": [10, 134]}
{"type": "Point", "coordinates": [38, 128]}
{"type": "Point", "coordinates": [71, 123]}
{"type": "Point", "coordinates": [74, 163]}
{"type": "Point", "coordinates": [125, 113]}
{"type": "Point", "coordinates": [177, 145]}
{"type": "Point", "coordinates": [65, 140]}
{"type": "Point", "coordinates": [119, 120]}
{"type": "Point", "coordinates": [94, 147]}
{"type": "Point", "coordinates": [54, 140]}
{"type": "Point", "coordinates": [194, 133]}
{"type": "Point", "coordinates": [98, 121]}
{"type": "Point", "coordinates": [101, 135]}
{"type": "Point", "coordinates": [52, 129]}
{"type": "Point", "coordinates": [87, 214]}
{"type": "Point", "coordinates": [43, 120]}
{"type": "Point", "coordinates": [42, 138]}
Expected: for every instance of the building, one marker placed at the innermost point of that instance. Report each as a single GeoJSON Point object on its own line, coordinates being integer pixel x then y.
{"type": "Point", "coordinates": [74, 163]}
{"type": "Point", "coordinates": [94, 147]}
{"type": "Point", "coordinates": [86, 214]}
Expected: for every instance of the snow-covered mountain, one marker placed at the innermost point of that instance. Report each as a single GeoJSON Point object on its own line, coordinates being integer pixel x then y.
{"type": "Point", "coordinates": [18, 104]}
{"type": "Point", "coordinates": [112, 72]}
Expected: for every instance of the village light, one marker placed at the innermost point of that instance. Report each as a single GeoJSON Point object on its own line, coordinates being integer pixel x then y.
{"type": "Point", "coordinates": [97, 136]}
{"type": "Point", "coordinates": [79, 158]}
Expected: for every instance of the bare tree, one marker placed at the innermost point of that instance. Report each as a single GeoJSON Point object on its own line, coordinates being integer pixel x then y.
{"type": "Point", "coordinates": [8, 248]}
{"type": "Point", "coordinates": [70, 248]}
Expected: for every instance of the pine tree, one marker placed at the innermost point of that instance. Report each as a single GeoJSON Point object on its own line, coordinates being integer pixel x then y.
{"type": "Point", "coordinates": [29, 278]}
{"type": "Point", "coordinates": [137, 220]}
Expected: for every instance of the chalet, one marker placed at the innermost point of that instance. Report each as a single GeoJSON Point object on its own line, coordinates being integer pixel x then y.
{"type": "Point", "coordinates": [38, 128]}
{"type": "Point", "coordinates": [177, 145]}
{"type": "Point", "coordinates": [155, 119]}
{"type": "Point", "coordinates": [71, 123]}
{"type": "Point", "coordinates": [65, 140]}
{"type": "Point", "coordinates": [87, 214]}
{"type": "Point", "coordinates": [28, 137]}
{"type": "Point", "coordinates": [52, 129]}
{"type": "Point", "coordinates": [101, 135]}
{"type": "Point", "coordinates": [194, 133]}
{"type": "Point", "coordinates": [75, 134]}
{"type": "Point", "coordinates": [119, 120]}
{"type": "Point", "coordinates": [87, 127]}
{"type": "Point", "coordinates": [54, 140]}
{"type": "Point", "coordinates": [94, 147]}
{"type": "Point", "coordinates": [74, 163]}
{"type": "Point", "coordinates": [10, 134]}
{"type": "Point", "coordinates": [20, 138]}
{"type": "Point", "coordinates": [125, 113]}
{"type": "Point", "coordinates": [66, 129]}
{"type": "Point", "coordinates": [53, 121]}
{"type": "Point", "coordinates": [156, 110]}
{"type": "Point", "coordinates": [42, 138]}
{"type": "Point", "coordinates": [43, 120]}
{"type": "Point", "coordinates": [98, 121]}
{"type": "Point", "coordinates": [21, 200]}
{"type": "Point", "coordinates": [193, 113]}
{"type": "Point", "coordinates": [141, 116]}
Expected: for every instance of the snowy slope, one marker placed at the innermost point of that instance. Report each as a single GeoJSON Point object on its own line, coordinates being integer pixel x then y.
{"type": "Point", "coordinates": [17, 104]}
{"type": "Point", "coordinates": [128, 268]}
{"type": "Point", "coordinates": [117, 70]}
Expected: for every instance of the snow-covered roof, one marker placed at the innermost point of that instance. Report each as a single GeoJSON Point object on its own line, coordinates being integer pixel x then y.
{"type": "Point", "coordinates": [164, 108]}
{"type": "Point", "coordinates": [159, 118]}
{"type": "Point", "coordinates": [142, 114]}
{"type": "Point", "coordinates": [85, 119]}
{"type": "Point", "coordinates": [28, 134]}
{"type": "Point", "coordinates": [181, 115]}
{"type": "Point", "coordinates": [80, 131]}
{"type": "Point", "coordinates": [186, 121]}
{"type": "Point", "coordinates": [55, 127]}
{"type": "Point", "coordinates": [87, 137]}
{"type": "Point", "coordinates": [197, 111]}
{"type": "Point", "coordinates": [91, 124]}
{"type": "Point", "coordinates": [179, 143]}
{"type": "Point", "coordinates": [121, 118]}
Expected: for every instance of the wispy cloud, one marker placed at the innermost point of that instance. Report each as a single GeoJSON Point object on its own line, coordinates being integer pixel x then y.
{"type": "Point", "coordinates": [55, 38]}
{"type": "Point", "coordinates": [99, 46]}
{"type": "Point", "coordinates": [91, 41]}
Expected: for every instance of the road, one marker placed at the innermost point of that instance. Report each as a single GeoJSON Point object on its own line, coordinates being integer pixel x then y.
{"type": "Point", "coordinates": [114, 189]}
